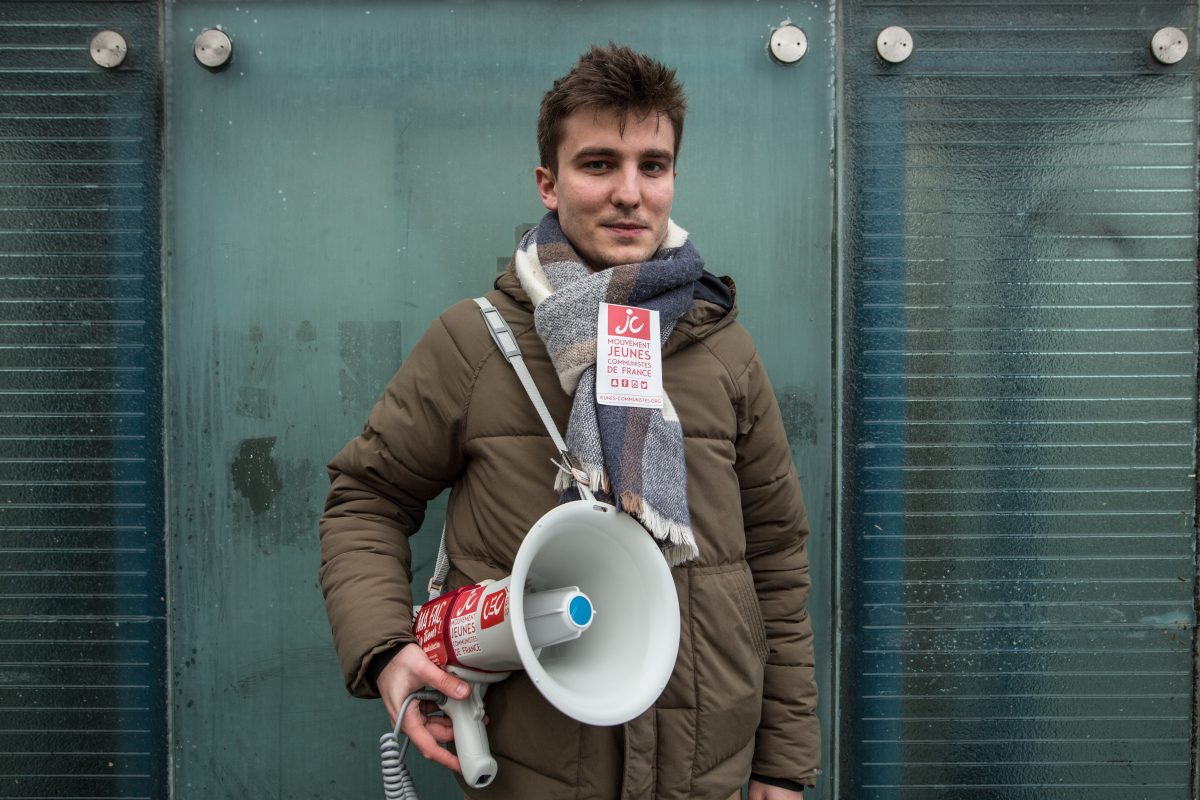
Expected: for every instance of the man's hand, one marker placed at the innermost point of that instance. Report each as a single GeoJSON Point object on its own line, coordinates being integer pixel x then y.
{"type": "Point", "coordinates": [761, 791]}
{"type": "Point", "coordinates": [411, 670]}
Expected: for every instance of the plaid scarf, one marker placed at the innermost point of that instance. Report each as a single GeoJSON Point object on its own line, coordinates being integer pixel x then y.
{"type": "Point", "coordinates": [633, 456]}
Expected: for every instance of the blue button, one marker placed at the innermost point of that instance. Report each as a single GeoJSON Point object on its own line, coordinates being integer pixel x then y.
{"type": "Point", "coordinates": [580, 610]}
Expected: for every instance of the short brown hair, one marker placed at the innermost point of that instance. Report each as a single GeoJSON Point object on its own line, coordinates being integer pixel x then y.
{"type": "Point", "coordinates": [613, 78]}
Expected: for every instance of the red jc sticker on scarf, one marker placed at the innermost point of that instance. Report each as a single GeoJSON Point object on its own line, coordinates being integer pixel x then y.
{"type": "Point", "coordinates": [628, 357]}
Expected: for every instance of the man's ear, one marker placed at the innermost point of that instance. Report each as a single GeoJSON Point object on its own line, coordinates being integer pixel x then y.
{"type": "Point", "coordinates": [547, 187]}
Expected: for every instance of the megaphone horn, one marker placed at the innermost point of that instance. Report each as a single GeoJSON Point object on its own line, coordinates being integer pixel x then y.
{"type": "Point", "coordinates": [589, 612]}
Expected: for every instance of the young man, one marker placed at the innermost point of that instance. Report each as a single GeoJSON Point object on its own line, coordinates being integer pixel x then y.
{"type": "Point", "coordinates": [710, 477]}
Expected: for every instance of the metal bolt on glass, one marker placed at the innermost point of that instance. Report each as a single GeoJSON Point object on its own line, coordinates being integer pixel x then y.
{"type": "Point", "coordinates": [1169, 45]}
{"type": "Point", "coordinates": [108, 49]}
{"type": "Point", "coordinates": [788, 43]}
{"type": "Point", "coordinates": [213, 48]}
{"type": "Point", "coordinates": [894, 44]}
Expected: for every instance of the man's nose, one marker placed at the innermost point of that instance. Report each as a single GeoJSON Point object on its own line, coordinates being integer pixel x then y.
{"type": "Point", "coordinates": [627, 191]}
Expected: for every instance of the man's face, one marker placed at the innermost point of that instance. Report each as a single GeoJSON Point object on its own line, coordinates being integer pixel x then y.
{"type": "Point", "coordinates": [612, 192]}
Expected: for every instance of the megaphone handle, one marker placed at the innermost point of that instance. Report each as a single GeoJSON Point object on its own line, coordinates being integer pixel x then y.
{"type": "Point", "coordinates": [470, 737]}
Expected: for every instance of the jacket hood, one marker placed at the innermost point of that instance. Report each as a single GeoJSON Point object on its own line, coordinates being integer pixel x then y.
{"type": "Point", "coordinates": [714, 306]}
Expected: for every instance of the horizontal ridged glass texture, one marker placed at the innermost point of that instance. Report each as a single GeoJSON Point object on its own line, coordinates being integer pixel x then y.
{"type": "Point", "coordinates": [1019, 387]}
{"type": "Point", "coordinates": [82, 633]}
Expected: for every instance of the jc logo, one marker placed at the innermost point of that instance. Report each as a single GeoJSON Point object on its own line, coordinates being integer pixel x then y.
{"type": "Point", "coordinates": [628, 321]}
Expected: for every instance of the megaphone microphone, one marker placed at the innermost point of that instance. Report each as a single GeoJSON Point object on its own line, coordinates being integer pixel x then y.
{"type": "Point", "coordinates": [589, 612]}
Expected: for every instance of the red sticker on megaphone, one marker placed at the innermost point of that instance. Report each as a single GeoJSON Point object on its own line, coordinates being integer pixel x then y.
{"type": "Point", "coordinates": [467, 627]}
{"type": "Point", "coordinates": [468, 602]}
{"type": "Point", "coordinates": [429, 628]}
{"type": "Point", "coordinates": [495, 609]}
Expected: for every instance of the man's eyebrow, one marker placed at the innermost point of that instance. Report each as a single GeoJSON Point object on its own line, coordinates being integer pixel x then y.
{"type": "Point", "coordinates": [592, 152]}
{"type": "Point", "coordinates": [662, 155]}
{"type": "Point", "coordinates": [609, 152]}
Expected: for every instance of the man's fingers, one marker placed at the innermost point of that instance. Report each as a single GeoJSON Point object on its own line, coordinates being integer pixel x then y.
{"type": "Point", "coordinates": [423, 739]}
{"type": "Point", "coordinates": [437, 678]}
{"type": "Point", "coordinates": [435, 753]}
{"type": "Point", "coordinates": [445, 683]}
{"type": "Point", "coordinates": [414, 667]}
{"type": "Point", "coordinates": [441, 728]}
{"type": "Point", "coordinates": [407, 671]}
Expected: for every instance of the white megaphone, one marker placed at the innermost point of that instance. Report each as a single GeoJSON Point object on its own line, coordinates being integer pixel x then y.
{"type": "Point", "coordinates": [589, 612]}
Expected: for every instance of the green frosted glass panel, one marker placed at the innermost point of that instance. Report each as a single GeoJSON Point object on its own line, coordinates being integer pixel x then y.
{"type": "Point", "coordinates": [1019, 350]}
{"type": "Point", "coordinates": [357, 168]}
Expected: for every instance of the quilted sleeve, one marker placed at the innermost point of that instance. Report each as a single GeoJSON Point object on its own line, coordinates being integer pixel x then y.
{"type": "Point", "coordinates": [788, 742]}
{"type": "Point", "coordinates": [409, 451]}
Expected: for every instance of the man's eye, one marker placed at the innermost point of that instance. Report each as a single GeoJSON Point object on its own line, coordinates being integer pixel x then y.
{"type": "Point", "coordinates": [654, 166]}
{"type": "Point", "coordinates": [596, 165]}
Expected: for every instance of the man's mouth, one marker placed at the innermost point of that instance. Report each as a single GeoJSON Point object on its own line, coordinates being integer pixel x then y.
{"type": "Point", "coordinates": [625, 228]}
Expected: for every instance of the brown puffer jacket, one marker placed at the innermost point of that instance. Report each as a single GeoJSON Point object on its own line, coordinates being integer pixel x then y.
{"type": "Point", "coordinates": [742, 695]}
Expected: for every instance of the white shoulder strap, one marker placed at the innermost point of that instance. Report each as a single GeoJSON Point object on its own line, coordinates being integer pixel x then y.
{"type": "Point", "coordinates": [506, 340]}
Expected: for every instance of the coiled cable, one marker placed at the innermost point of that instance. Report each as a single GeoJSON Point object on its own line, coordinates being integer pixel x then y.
{"type": "Point", "coordinates": [397, 780]}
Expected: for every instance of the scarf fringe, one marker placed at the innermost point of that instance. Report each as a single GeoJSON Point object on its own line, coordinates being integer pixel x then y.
{"type": "Point", "coordinates": [675, 539]}
{"type": "Point", "coordinates": [680, 554]}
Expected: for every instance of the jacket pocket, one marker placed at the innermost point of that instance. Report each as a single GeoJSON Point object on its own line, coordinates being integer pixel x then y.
{"type": "Point", "coordinates": [729, 649]}
{"type": "Point", "coordinates": [747, 601]}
